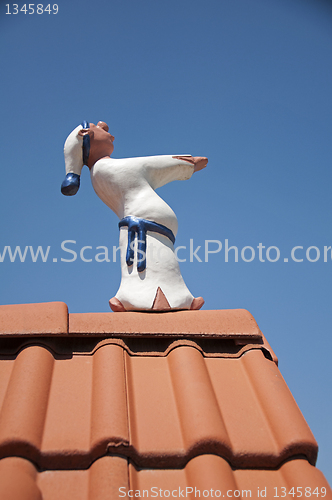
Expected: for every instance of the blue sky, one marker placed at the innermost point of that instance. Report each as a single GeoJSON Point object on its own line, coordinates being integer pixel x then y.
{"type": "Point", "coordinates": [246, 83]}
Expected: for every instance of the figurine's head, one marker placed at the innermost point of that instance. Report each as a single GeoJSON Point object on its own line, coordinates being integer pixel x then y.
{"type": "Point", "coordinates": [86, 144]}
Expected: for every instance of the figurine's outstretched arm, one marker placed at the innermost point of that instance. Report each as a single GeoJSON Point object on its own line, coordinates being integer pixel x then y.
{"type": "Point", "coordinates": [166, 168]}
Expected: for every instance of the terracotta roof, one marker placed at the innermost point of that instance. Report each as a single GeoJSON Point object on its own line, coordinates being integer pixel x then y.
{"type": "Point", "coordinates": [176, 397]}
{"type": "Point", "coordinates": [52, 318]}
{"type": "Point", "coordinates": [39, 319]}
{"type": "Point", "coordinates": [109, 476]}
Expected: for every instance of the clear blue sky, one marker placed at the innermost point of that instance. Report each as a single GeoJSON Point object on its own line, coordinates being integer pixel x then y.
{"type": "Point", "coordinates": [246, 83]}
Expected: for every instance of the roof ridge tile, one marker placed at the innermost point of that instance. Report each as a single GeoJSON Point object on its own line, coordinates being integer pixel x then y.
{"type": "Point", "coordinates": [34, 319]}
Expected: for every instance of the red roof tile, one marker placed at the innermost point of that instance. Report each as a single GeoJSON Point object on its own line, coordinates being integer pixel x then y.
{"type": "Point", "coordinates": [191, 397]}
{"type": "Point", "coordinates": [236, 323]}
{"type": "Point", "coordinates": [37, 319]}
{"type": "Point", "coordinates": [160, 411]}
{"type": "Point", "coordinates": [207, 472]}
{"type": "Point", "coordinates": [52, 318]}
{"type": "Point", "coordinates": [111, 477]}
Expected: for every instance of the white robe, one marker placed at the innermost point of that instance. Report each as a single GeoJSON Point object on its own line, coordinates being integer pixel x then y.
{"type": "Point", "coordinates": [127, 186]}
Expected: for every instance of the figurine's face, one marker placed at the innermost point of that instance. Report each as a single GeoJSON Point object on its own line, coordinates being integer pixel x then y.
{"type": "Point", "coordinates": [101, 137]}
{"type": "Point", "coordinates": [101, 142]}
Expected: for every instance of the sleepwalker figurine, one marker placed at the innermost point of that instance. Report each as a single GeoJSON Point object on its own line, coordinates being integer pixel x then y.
{"type": "Point", "coordinates": [151, 278]}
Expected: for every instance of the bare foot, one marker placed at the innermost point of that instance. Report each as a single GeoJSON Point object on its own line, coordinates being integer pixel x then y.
{"type": "Point", "coordinates": [197, 303]}
{"type": "Point", "coordinates": [116, 305]}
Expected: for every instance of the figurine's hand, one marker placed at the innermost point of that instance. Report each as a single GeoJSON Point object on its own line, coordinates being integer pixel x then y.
{"type": "Point", "coordinates": [200, 162]}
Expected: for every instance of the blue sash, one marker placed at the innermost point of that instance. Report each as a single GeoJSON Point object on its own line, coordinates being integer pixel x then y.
{"type": "Point", "coordinates": [141, 226]}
